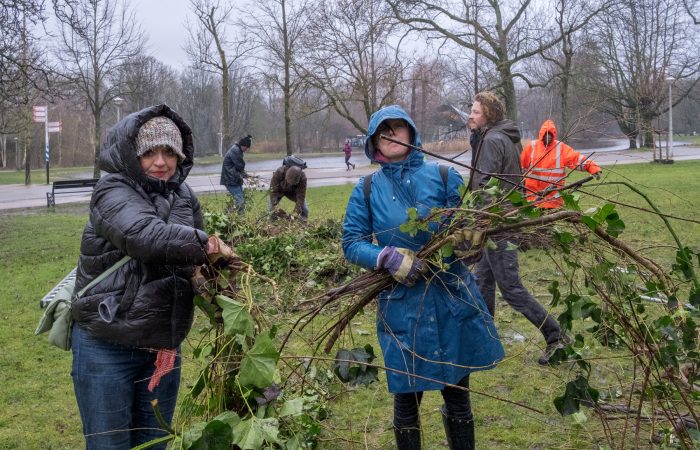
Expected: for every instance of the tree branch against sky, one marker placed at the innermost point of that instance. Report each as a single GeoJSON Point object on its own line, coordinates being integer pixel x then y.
{"type": "Point", "coordinates": [348, 58]}
{"type": "Point", "coordinates": [504, 34]}
{"type": "Point", "coordinates": [96, 38]}
{"type": "Point", "coordinates": [643, 43]}
{"type": "Point", "coordinates": [277, 28]}
{"type": "Point", "coordinates": [211, 48]}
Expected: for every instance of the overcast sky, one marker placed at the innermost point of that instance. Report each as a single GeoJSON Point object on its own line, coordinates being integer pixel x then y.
{"type": "Point", "coordinates": [163, 22]}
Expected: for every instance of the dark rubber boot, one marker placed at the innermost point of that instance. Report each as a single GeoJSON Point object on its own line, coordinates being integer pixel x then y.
{"type": "Point", "coordinates": [460, 432]}
{"type": "Point", "coordinates": [407, 438]}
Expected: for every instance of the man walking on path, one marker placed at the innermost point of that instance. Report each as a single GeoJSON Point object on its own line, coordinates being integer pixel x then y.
{"type": "Point", "coordinates": [233, 171]}
{"type": "Point", "coordinates": [544, 164]}
{"type": "Point", "coordinates": [497, 151]}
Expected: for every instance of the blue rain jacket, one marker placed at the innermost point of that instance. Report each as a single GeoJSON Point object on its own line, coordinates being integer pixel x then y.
{"type": "Point", "coordinates": [438, 330]}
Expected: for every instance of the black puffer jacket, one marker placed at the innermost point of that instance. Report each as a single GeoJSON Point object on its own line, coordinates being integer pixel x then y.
{"type": "Point", "coordinates": [233, 167]}
{"type": "Point", "coordinates": [159, 224]}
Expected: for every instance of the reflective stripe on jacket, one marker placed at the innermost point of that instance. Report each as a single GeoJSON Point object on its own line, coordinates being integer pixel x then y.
{"type": "Point", "coordinates": [544, 167]}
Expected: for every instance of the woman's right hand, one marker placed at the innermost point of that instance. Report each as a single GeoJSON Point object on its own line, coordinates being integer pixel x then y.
{"type": "Point", "coordinates": [402, 264]}
{"type": "Point", "coordinates": [219, 253]}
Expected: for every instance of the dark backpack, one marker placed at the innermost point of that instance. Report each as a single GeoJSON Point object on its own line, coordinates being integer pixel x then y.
{"type": "Point", "coordinates": [367, 187]}
{"type": "Point", "coordinates": [292, 160]}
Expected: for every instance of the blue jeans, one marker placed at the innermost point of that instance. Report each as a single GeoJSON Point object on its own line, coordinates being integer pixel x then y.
{"type": "Point", "coordinates": [237, 194]}
{"type": "Point", "coordinates": [111, 387]}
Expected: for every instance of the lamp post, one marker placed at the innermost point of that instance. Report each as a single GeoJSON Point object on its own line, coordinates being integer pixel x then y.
{"type": "Point", "coordinates": [669, 154]}
{"type": "Point", "coordinates": [16, 152]}
{"type": "Point", "coordinates": [118, 101]}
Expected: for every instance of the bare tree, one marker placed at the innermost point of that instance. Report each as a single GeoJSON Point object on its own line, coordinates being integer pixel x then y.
{"type": "Point", "coordinates": [144, 81]}
{"type": "Point", "coordinates": [277, 27]}
{"type": "Point", "coordinates": [503, 34]}
{"type": "Point", "coordinates": [96, 38]}
{"type": "Point", "coordinates": [348, 58]}
{"type": "Point", "coordinates": [211, 49]}
{"type": "Point", "coordinates": [643, 44]}
{"type": "Point", "coordinates": [24, 73]}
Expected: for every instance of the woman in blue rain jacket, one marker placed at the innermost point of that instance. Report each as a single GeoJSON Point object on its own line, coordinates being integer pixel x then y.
{"type": "Point", "coordinates": [434, 329]}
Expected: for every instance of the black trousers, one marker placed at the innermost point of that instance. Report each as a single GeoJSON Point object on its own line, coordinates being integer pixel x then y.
{"type": "Point", "coordinates": [456, 400]}
{"type": "Point", "coordinates": [500, 267]}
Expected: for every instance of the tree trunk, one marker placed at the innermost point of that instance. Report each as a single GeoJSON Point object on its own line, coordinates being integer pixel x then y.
{"type": "Point", "coordinates": [3, 147]}
{"type": "Point", "coordinates": [509, 93]}
{"type": "Point", "coordinates": [647, 133]}
{"type": "Point", "coordinates": [287, 82]}
{"type": "Point", "coordinates": [97, 135]}
{"type": "Point", "coordinates": [225, 111]}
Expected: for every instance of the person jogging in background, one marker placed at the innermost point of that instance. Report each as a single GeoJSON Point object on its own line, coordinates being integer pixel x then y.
{"type": "Point", "coordinates": [347, 149]}
{"type": "Point", "coordinates": [544, 163]}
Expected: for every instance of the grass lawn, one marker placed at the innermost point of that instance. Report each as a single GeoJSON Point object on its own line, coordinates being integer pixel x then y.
{"type": "Point", "coordinates": [37, 248]}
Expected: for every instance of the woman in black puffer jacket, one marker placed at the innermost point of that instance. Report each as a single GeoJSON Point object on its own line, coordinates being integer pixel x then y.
{"type": "Point", "coordinates": [128, 328]}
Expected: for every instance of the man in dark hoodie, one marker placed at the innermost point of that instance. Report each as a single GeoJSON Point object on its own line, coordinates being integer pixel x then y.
{"type": "Point", "coordinates": [497, 151]}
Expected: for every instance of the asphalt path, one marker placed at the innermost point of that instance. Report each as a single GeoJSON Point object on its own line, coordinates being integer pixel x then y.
{"type": "Point", "coordinates": [321, 171]}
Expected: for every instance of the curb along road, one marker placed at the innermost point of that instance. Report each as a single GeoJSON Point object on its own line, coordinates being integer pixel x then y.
{"type": "Point", "coordinates": [322, 171]}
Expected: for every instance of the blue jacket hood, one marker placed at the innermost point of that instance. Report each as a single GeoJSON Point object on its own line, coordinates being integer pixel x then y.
{"type": "Point", "coordinates": [388, 112]}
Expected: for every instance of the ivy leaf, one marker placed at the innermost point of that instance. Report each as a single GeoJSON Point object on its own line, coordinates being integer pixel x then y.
{"type": "Point", "coordinates": [446, 250]}
{"type": "Point", "coordinates": [259, 364]}
{"type": "Point", "coordinates": [215, 435]}
{"type": "Point", "coordinates": [206, 307]}
{"type": "Point", "coordinates": [228, 417]}
{"type": "Point", "coordinates": [578, 392]}
{"type": "Point", "coordinates": [252, 433]}
{"type": "Point", "coordinates": [237, 319]}
{"type": "Point", "coordinates": [348, 370]}
{"type": "Point", "coordinates": [516, 198]}
{"type": "Point", "coordinates": [589, 222]}
{"type": "Point", "coordinates": [293, 407]}
{"type": "Point", "coordinates": [571, 200]}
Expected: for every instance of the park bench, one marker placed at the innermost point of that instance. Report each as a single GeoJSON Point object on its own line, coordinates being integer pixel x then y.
{"type": "Point", "coordinates": [69, 187]}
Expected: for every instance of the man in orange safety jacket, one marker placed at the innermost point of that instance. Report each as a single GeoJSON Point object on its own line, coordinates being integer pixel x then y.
{"type": "Point", "coordinates": [544, 164]}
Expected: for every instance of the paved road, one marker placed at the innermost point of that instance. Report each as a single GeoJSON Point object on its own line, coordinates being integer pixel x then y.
{"type": "Point", "coordinates": [322, 171]}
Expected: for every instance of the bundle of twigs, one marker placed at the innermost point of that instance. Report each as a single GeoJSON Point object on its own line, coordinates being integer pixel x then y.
{"type": "Point", "coordinates": [365, 287]}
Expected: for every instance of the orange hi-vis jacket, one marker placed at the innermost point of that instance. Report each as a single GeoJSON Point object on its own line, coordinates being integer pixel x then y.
{"type": "Point", "coordinates": [544, 167]}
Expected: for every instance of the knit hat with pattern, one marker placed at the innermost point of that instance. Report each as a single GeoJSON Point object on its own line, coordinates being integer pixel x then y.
{"type": "Point", "coordinates": [159, 131]}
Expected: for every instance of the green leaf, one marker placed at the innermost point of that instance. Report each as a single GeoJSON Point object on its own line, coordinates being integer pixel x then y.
{"type": "Point", "coordinates": [215, 435]}
{"type": "Point", "coordinates": [511, 246]}
{"type": "Point", "coordinates": [252, 433]}
{"type": "Point", "coordinates": [206, 307]}
{"type": "Point", "coordinates": [228, 417]}
{"type": "Point", "coordinates": [589, 222]}
{"type": "Point", "coordinates": [353, 366]}
{"type": "Point", "coordinates": [259, 364]}
{"type": "Point", "coordinates": [293, 407]}
{"type": "Point", "coordinates": [237, 319]}
{"type": "Point", "coordinates": [577, 393]}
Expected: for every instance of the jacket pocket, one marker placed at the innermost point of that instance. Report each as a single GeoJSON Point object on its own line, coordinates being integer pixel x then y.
{"type": "Point", "coordinates": [461, 295]}
{"type": "Point", "coordinates": [394, 311]}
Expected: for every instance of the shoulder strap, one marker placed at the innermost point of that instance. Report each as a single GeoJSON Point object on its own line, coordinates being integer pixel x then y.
{"type": "Point", "coordinates": [443, 174]}
{"type": "Point", "coordinates": [367, 189]}
{"type": "Point", "coordinates": [104, 275]}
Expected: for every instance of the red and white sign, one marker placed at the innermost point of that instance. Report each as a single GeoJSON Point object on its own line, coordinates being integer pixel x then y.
{"type": "Point", "coordinates": [39, 113]}
{"type": "Point", "coordinates": [54, 127]}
